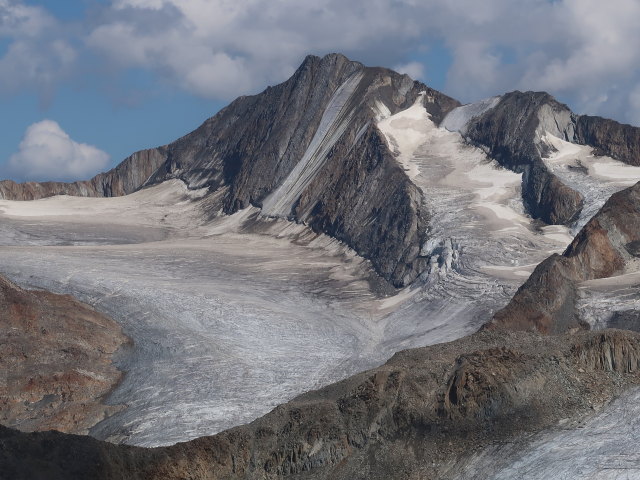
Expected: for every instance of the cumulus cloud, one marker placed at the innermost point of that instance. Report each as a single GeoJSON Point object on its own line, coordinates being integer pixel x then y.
{"type": "Point", "coordinates": [48, 153]}
{"type": "Point", "coordinates": [219, 49]}
{"type": "Point", "coordinates": [414, 69]}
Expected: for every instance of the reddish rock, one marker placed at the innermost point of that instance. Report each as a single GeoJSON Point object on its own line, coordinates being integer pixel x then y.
{"type": "Point", "coordinates": [55, 361]}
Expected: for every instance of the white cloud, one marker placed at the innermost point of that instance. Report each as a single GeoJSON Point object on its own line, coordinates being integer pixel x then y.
{"type": "Point", "coordinates": [224, 48]}
{"type": "Point", "coordinates": [38, 56]}
{"type": "Point", "coordinates": [414, 69]}
{"type": "Point", "coordinates": [584, 51]}
{"type": "Point", "coordinates": [48, 153]}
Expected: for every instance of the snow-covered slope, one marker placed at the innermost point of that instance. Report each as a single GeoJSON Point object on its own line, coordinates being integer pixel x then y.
{"type": "Point", "coordinates": [596, 178]}
{"type": "Point", "coordinates": [458, 118]}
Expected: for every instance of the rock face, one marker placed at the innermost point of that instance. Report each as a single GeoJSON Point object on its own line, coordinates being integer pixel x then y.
{"type": "Point", "coordinates": [609, 137]}
{"type": "Point", "coordinates": [309, 150]}
{"type": "Point", "coordinates": [511, 132]}
{"type": "Point", "coordinates": [419, 416]}
{"type": "Point", "coordinates": [603, 248]}
{"type": "Point", "coordinates": [55, 361]}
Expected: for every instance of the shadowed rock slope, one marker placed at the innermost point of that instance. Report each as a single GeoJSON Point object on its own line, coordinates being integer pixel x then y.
{"type": "Point", "coordinates": [606, 246]}
{"type": "Point", "coordinates": [55, 361]}
{"type": "Point", "coordinates": [511, 133]}
{"type": "Point", "coordinates": [418, 416]}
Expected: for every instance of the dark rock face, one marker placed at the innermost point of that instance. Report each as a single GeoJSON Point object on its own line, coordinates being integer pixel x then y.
{"type": "Point", "coordinates": [418, 416]}
{"type": "Point", "coordinates": [510, 132]}
{"type": "Point", "coordinates": [323, 119]}
{"type": "Point", "coordinates": [625, 320]}
{"type": "Point", "coordinates": [373, 191]}
{"type": "Point", "coordinates": [55, 361]}
{"type": "Point", "coordinates": [610, 138]}
{"type": "Point", "coordinates": [546, 301]}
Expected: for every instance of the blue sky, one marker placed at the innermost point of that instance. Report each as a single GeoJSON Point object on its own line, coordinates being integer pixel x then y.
{"type": "Point", "coordinates": [84, 83]}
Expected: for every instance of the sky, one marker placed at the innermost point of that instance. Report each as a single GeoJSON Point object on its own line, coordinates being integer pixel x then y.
{"type": "Point", "coordinates": [85, 83]}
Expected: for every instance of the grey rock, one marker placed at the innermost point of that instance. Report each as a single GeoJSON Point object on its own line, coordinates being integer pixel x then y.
{"type": "Point", "coordinates": [510, 132]}
{"type": "Point", "coordinates": [307, 150]}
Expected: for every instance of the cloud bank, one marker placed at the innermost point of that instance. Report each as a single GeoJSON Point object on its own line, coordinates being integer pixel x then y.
{"type": "Point", "coordinates": [584, 51]}
{"type": "Point", "coordinates": [48, 153]}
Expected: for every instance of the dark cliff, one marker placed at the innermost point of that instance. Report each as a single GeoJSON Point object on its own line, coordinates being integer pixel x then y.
{"type": "Point", "coordinates": [609, 137]}
{"type": "Point", "coordinates": [510, 132]}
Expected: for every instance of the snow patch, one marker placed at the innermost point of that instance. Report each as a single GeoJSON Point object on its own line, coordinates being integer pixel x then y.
{"type": "Point", "coordinates": [458, 118]}
{"type": "Point", "coordinates": [335, 120]}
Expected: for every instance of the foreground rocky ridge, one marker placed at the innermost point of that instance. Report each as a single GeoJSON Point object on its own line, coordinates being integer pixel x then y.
{"type": "Point", "coordinates": [605, 247]}
{"type": "Point", "coordinates": [55, 361]}
{"type": "Point", "coordinates": [421, 415]}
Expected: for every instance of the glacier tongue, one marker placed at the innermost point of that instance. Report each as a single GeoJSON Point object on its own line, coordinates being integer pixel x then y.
{"type": "Point", "coordinates": [603, 447]}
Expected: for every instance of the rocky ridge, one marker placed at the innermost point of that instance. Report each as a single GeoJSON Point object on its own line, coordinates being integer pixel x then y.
{"type": "Point", "coordinates": [605, 247]}
{"type": "Point", "coordinates": [421, 415]}
{"type": "Point", "coordinates": [511, 129]}
{"type": "Point", "coordinates": [55, 361]}
{"type": "Point", "coordinates": [309, 150]}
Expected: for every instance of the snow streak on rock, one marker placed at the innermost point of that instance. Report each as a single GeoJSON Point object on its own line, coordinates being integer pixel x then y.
{"type": "Point", "coordinates": [458, 118]}
{"type": "Point", "coordinates": [334, 122]}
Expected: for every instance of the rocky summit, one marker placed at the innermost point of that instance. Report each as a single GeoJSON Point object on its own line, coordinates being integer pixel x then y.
{"type": "Point", "coordinates": [349, 275]}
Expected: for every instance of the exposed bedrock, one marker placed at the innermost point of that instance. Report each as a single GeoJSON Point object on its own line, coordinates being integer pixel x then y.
{"type": "Point", "coordinates": [126, 178]}
{"type": "Point", "coordinates": [55, 361]}
{"type": "Point", "coordinates": [511, 131]}
{"type": "Point", "coordinates": [603, 248]}
{"type": "Point", "coordinates": [421, 415]}
{"type": "Point", "coordinates": [610, 138]}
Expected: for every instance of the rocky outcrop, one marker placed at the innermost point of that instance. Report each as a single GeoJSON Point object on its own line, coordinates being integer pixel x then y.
{"type": "Point", "coordinates": [625, 320]}
{"type": "Point", "coordinates": [55, 361]}
{"type": "Point", "coordinates": [603, 248]}
{"type": "Point", "coordinates": [511, 133]}
{"type": "Point", "coordinates": [610, 138]}
{"type": "Point", "coordinates": [417, 416]}
{"type": "Point", "coordinates": [127, 177]}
